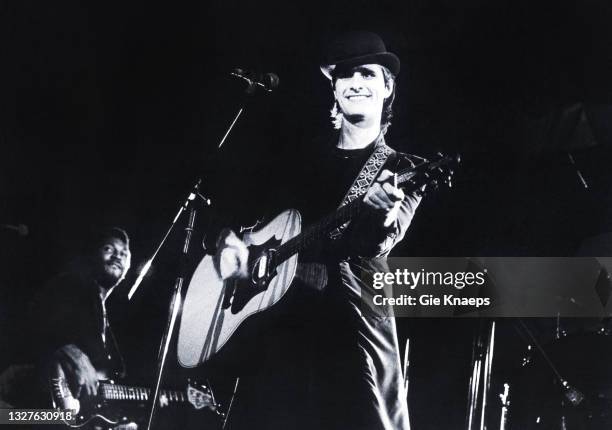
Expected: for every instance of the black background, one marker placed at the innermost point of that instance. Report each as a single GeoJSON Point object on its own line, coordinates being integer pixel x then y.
{"type": "Point", "coordinates": [108, 112]}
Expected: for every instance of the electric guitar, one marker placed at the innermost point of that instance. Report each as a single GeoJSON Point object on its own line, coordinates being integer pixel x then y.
{"type": "Point", "coordinates": [213, 308]}
{"type": "Point", "coordinates": [107, 407]}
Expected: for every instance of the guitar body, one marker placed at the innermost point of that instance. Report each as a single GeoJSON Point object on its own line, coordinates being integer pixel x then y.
{"type": "Point", "coordinates": [88, 414]}
{"type": "Point", "coordinates": [95, 414]}
{"type": "Point", "coordinates": [114, 403]}
{"type": "Point", "coordinates": [214, 309]}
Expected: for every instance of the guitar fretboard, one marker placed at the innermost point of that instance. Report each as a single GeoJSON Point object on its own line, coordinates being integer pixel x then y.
{"type": "Point", "coordinates": [123, 392]}
{"type": "Point", "coordinates": [326, 225]}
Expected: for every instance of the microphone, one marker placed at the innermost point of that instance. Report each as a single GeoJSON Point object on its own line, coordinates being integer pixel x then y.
{"type": "Point", "coordinates": [268, 81]}
{"type": "Point", "coordinates": [21, 229]}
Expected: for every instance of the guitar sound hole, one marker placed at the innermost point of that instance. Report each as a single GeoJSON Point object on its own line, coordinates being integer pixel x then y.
{"type": "Point", "coordinates": [246, 289]}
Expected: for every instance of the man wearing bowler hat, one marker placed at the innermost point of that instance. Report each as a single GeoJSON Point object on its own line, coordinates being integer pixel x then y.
{"type": "Point", "coordinates": [357, 382]}
{"type": "Point", "coordinates": [362, 75]}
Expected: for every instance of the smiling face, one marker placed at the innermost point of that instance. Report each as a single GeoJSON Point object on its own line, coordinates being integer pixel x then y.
{"type": "Point", "coordinates": [112, 262]}
{"type": "Point", "coordinates": [361, 92]}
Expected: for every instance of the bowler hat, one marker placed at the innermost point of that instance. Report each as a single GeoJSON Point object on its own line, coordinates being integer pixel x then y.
{"type": "Point", "coordinates": [356, 48]}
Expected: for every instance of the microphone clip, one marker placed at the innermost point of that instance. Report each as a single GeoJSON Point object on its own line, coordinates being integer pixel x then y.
{"type": "Point", "coordinates": [267, 81]}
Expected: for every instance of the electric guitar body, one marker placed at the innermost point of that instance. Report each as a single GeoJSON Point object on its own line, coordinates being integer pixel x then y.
{"type": "Point", "coordinates": [117, 404]}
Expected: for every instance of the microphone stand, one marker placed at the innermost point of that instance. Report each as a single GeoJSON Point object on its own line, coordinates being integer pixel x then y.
{"type": "Point", "coordinates": [176, 299]}
{"type": "Point", "coordinates": [145, 268]}
{"type": "Point", "coordinates": [248, 92]}
{"type": "Point", "coordinates": [480, 381]}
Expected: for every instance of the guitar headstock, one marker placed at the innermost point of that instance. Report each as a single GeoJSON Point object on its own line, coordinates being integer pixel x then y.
{"type": "Point", "coordinates": [433, 173]}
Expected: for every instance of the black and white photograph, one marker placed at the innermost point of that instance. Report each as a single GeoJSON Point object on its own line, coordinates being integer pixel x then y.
{"type": "Point", "coordinates": [338, 215]}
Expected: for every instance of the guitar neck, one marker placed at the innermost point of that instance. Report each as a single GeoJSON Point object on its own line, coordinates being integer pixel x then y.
{"type": "Point", "coordinates": [318, 231]}
{"type": "Point", "coordinates": [322, 229]}
{"type": "Point", "coordinates": [110, 391]}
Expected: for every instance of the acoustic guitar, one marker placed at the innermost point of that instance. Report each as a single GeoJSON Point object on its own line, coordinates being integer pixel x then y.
{"type": "Point", "coordinates": [214, 308]}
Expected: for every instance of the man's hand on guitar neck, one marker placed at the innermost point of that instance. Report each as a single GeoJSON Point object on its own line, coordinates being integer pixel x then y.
{"type": "Point", "coordinates": [78, 370]}
{"type": "Point", "coordinates": [232, 256]}
{"type": "Point", "coordinates": [385, 198]}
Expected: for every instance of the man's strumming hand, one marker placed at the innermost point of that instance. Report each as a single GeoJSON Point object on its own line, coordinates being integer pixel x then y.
{"type": "Point", "coordinates": [232, 256]}
{"type": "Point", "coordinates": [78, 370]}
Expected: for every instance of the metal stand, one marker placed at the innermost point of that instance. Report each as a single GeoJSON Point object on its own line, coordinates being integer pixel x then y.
{"type": "Point", "coordinates": [505, 404]}
{"type": "Point", "coordinates": [572, 394]}
{"type": "Point", "coordinates": [192, 196]}
{"type": "Point", "coordinates": [175, 305]}
{"type": "Point", "coordinates": [248, 92]}
{"type": "Point", "coordinates": [175, 302]}
{"type": "Point", "coordinates": [480, 381]}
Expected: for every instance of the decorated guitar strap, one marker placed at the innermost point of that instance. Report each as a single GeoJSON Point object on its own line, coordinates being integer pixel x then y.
{"type": "Point", "coordinates": [364, 179]}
